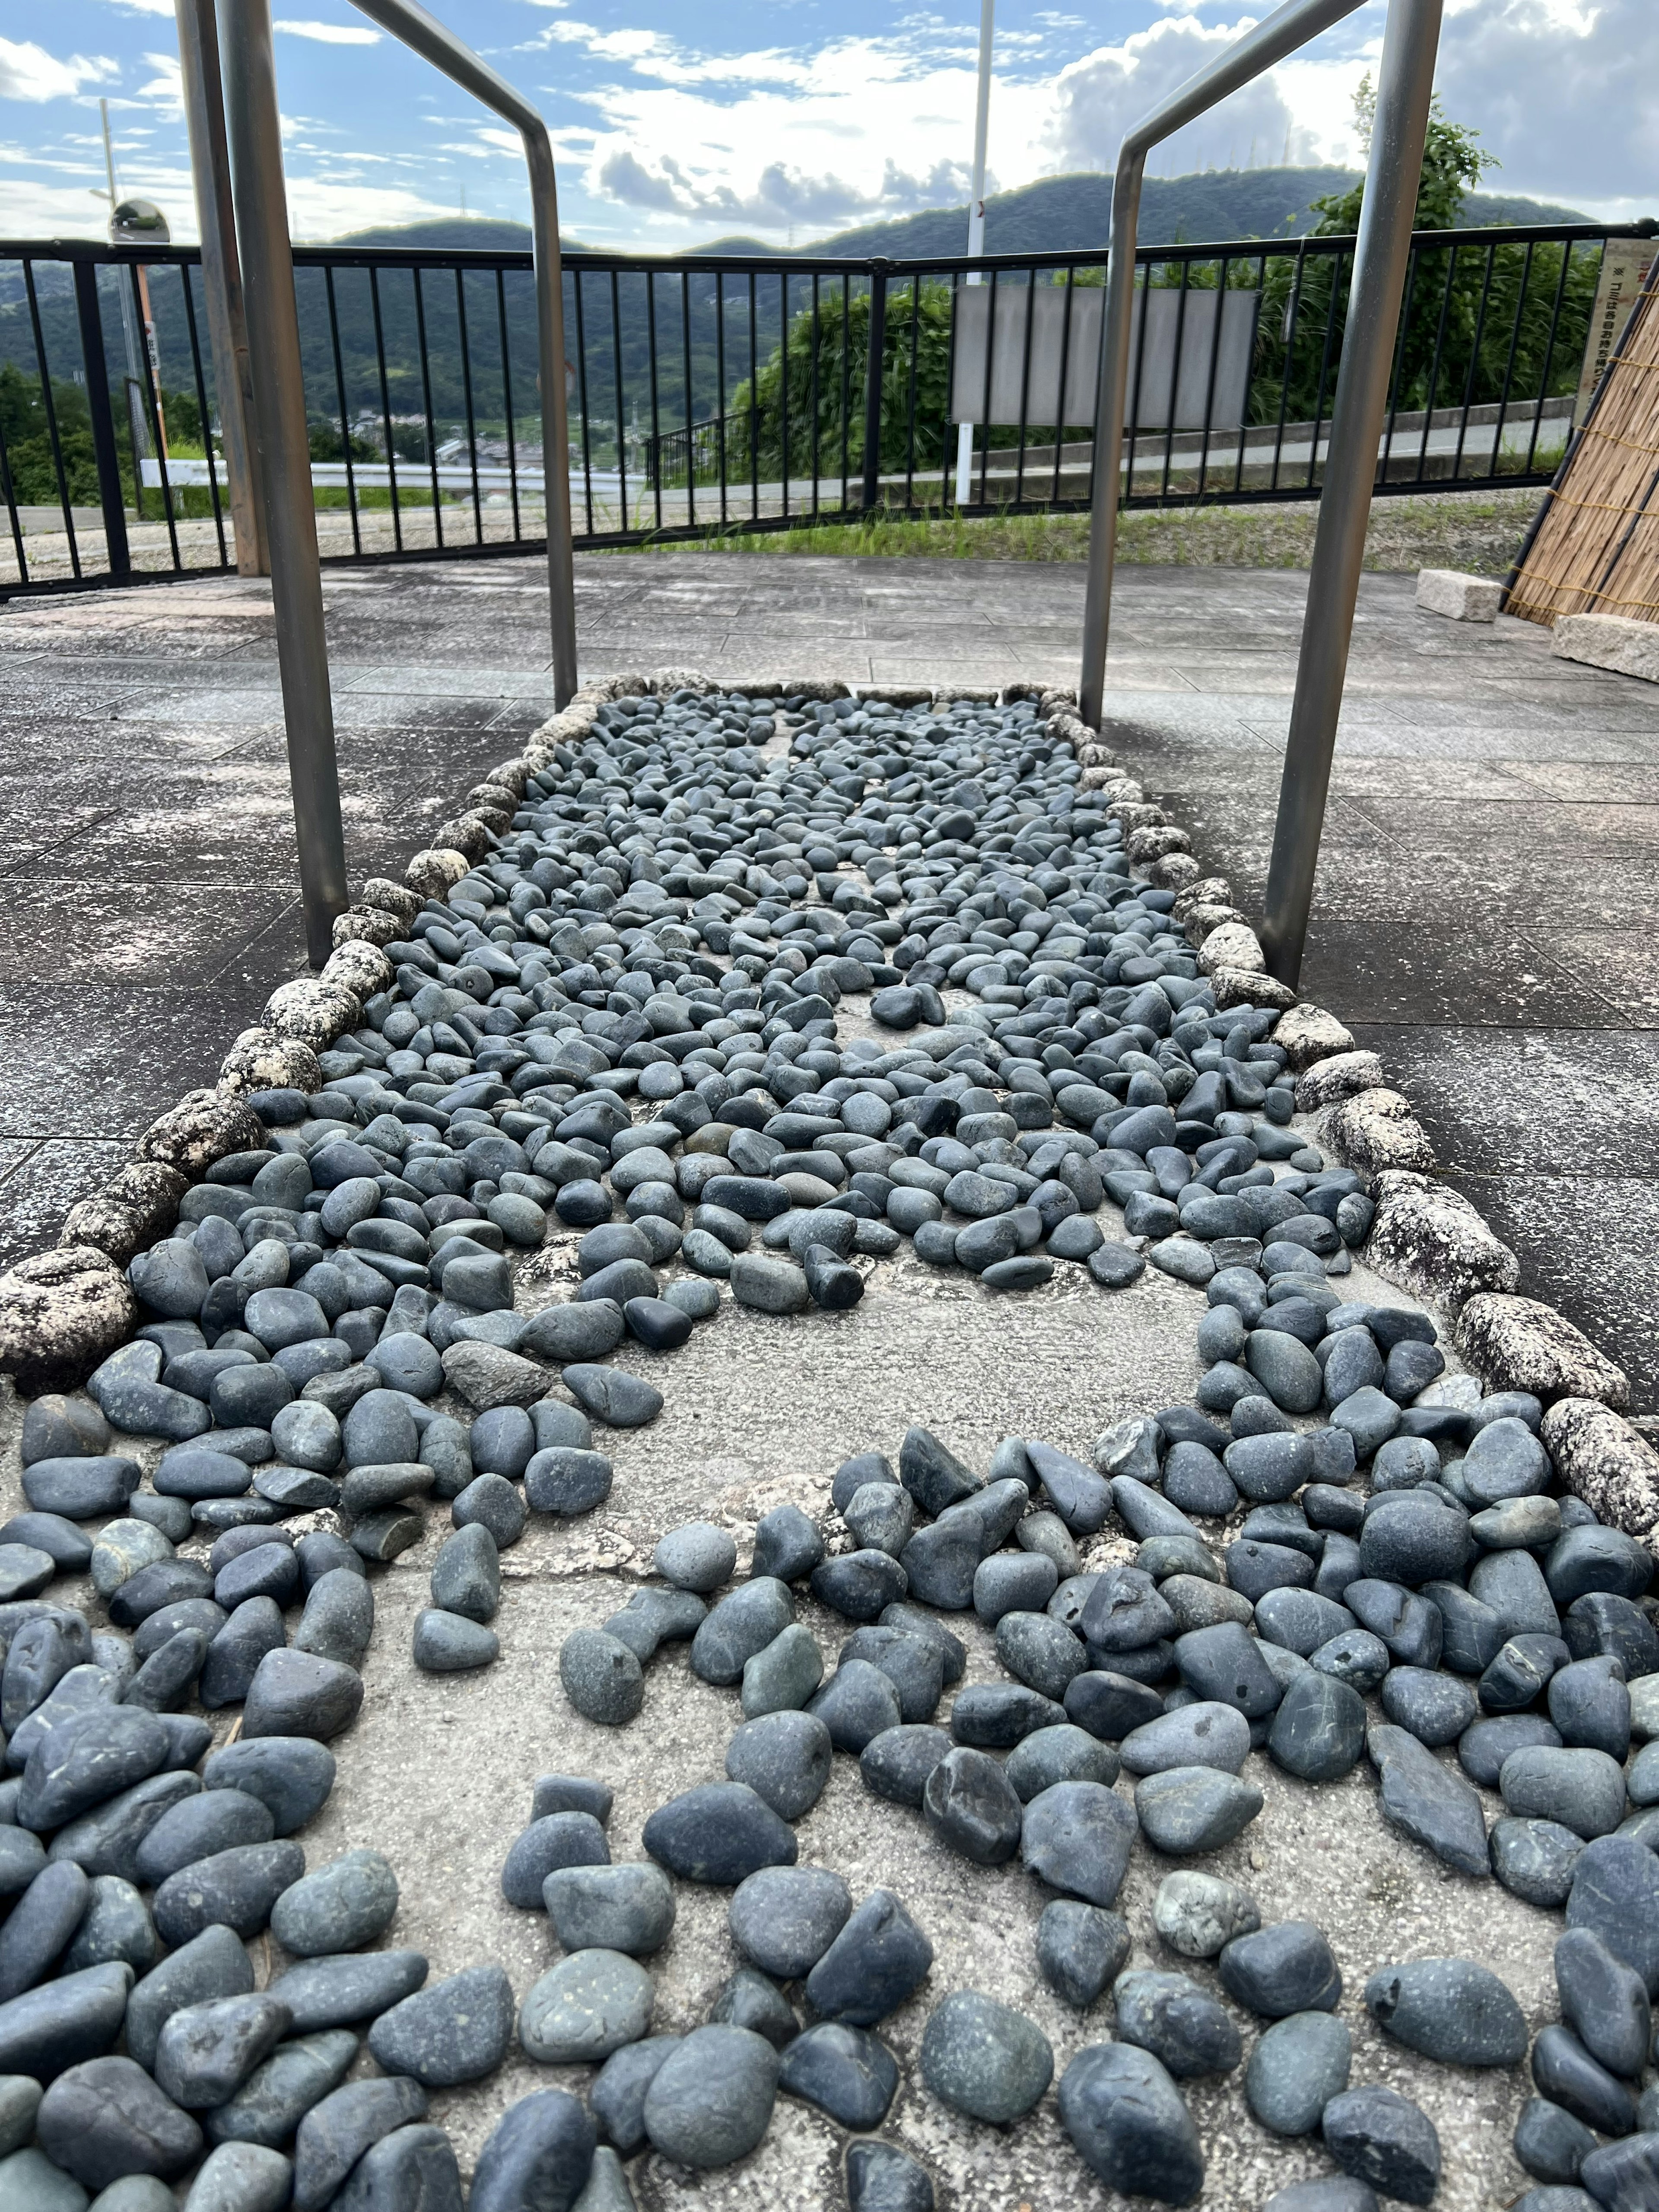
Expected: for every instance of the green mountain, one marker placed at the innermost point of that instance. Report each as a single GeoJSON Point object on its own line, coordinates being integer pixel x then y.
{"type": "Point", "coordinates": [1056, 214]}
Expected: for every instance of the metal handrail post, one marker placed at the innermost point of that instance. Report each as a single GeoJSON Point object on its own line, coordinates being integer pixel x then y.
{"type": "Point", "coordinates": [421, 31]}
{"type": "Point", "coordinates": [95, 368]}
{"type": "Point", "coordinates": [1405, 84]}
{"type": "Point", "coordinates": [221, 276]}
{"type": "Point", "coordinates": [283, 444]}
{"type": "Point", "coordinates": [1287, 28]}
{"type": "Point", "coordinates": [875, 361]}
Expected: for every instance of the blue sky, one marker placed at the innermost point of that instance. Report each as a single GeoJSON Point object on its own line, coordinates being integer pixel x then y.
{"type": "Point", "coordinates": [791, 120]}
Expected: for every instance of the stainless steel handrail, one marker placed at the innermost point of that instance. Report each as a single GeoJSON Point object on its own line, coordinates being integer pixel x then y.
{"type": "Point", "coordinates": [284, 449]}
{"type": "Point", "coordinates": [421, 30]}
{"type": "Point", "coordinates": [1405, 82]}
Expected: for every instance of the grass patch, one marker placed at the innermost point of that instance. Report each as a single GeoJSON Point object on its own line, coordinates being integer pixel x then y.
{"type": "Point", "coordinates": [1478, 531]}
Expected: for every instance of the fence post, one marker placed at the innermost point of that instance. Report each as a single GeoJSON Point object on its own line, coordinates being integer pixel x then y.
{"type": "Point", "coordinates": [284, 450]}
{"type": "Point", "coordinates": [1405, 82]}
{"type": "Point", "coordinates": [222, 276]}
{"type": "Point", "coordinates": [875, 354]}
{"type": "Point", "coordinates": [103, 429]}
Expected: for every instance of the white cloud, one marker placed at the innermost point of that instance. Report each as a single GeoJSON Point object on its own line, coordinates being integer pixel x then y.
{"type": "Point", "coordinates": [329, 34]}
{"type": "Point", "coordinates": [1100, 97]}
{"type": "Point", "coordinates": [146, 7]}
{"type": "Point", "coordinates": [1566, 95]}
{"type": "Point", "coordinates": [29, 72]}
{"type": "Point", "coordinates": [167, 87]}
{"type": "Point", "coordinates": [326, 207]}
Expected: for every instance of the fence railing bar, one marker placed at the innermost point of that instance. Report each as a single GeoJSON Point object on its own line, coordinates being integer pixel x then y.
{"type": "Point", "coordinates": [1059, 389]}
{"type": "Point", "coordinates": [910, 400]}
{"type": "Point", "coordinates": [1292, 324]}
{"type": "Point", "coordinates": [720, 372]}
{"type": "Point", "coordinates": [1434, 370]}
{"type": "Point", "coordinates": [1549, 353]}
{"type": "Point", "coordinates": [1025, 386]}
{"type": "Point", "coordinates": [507, 400]}
{"type": "Point", "coordinates": [52, 432]}
{"type": "Point", "coordinates": [656, 410]}
{"type": "Point", "coordinates": [426, 402]}
{"type": "Point", "coordinates": [1209, 387]}
{"type": "Point", "coordinates": [345, 417]}
{"type": "Point", "coordinates": [1398, 373]}
{"type": "Point", "coordinates": [754, 404]}
{"type": "Point", "coordinates": [466, 390]}
{"type": "Point", "coordinates": [385, 412]}
{"type": "Point", "coordinates": [152, 393]}
{"type": "Point", "coordinates": [202, 412]}
{"type": "Point", "coordinates": [616, 380]}
{"type": "Point", "coordinates": [690, 442]}
{"type": "Point", "coordinates": [1324, 373]}
{"type": "Point", "coordinates": [1473, 369]}
{"type": "Point", "coordinates": [8, 492]}
{"type": "Point", "coordinates": [985, 407]}
{"type": "Point", "coordinates": [1509, 362]}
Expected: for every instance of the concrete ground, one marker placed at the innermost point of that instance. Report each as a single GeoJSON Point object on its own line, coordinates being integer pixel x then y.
{"type": "Point", "coordinates": [151, 911]}
{"type": "Point", "coordinates": [1485, 911]}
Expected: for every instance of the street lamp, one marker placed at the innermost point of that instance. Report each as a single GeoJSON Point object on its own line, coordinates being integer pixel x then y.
{"type": "Point", "coordinates": [977, 224]}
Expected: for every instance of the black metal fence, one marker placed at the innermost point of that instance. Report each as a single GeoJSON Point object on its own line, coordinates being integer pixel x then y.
{"type": "Point", "coordinates": [711, 393]}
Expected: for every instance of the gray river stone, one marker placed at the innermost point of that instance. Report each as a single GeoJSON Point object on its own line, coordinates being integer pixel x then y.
{"type": "Point", "coordinates": [326, 1993]}
{"type": "Point", "coordinates": [1296, 2067]}
{"type": "Point", "coordinates": [1427, 1800]}
{"type": "Point", "coordinates": [984, 2059]}
{"type": "Point", "coordinates": [541, 2153]}
{"type": "Point", "coordinates": [586, 2006]}
{"type": "Point", "coordinates": [1454, 2010]}
{"type": "Point", "coordinates": [629, 1908]}
{"type": "Point", "coordinates": [785, 1757]}
{"type": "Point", "coordinates": [1197, 1914]}
{"type": "Point", "coordinates": [1203, 1733]}
{"type": "Point", "coordinates": [878, 1960]}
{"type": "Point", "coordinates": [1077, 1835]}
{"type": "Point", "coordinates": [720, 1832]}
{"type": "Point", "coordinates": [709, 2102]}
{"type": "Point", "coordinates": [275, 2097]}
{"type": "Point", "coordinates": [553, 1841]}
{"type": "Point", "coordinates": [1288, 1968]}
{"type": "Point", "coordinates": [1129, 2124]}
{"type": "Point", "coordinates": [1377, 2136]}
{"type": "Point", "coordinates": [783, 1919]}
{"type": "Point", "coordinates": [1194, 1808]}
{"type": "Point", "coordinates": [457, 2030]}
{"type": "Point", "coordinates": [1603, 2001]}
{"type": "Point", "coordinates": [339, 1907]}
{"type": "Point", "coordinates": [1080, 1949]}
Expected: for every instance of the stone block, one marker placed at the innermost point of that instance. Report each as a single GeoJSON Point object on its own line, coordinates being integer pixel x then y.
{"type": "Point", "coordinates": [1613, 641]}
{"type": "Point", "coordinates": [1460, 598]}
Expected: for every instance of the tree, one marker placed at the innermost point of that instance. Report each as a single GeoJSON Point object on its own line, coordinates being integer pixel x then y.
{"type": "Point", "coordinates": [1452, 166]}
{"type": "Point", "coordinates": [1477, 323]}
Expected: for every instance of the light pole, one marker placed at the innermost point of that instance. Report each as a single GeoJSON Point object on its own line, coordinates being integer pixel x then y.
{"type": "Point", "coordinates": [976, 225]}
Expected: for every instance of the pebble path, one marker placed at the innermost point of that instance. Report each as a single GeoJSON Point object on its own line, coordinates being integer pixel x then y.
{"type": "Point", "coordinates": [302, 1327]}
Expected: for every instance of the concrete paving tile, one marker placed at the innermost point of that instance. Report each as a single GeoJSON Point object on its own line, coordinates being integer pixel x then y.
{"type": "Point", "coordinates": [1591, 1245]}
{"type": "Point", "coordinates": [1625, 965]}
{"type": "Point", "coordinates": [103, 1059]}
{"type": "Point", "coordinates": [36, 1195]}
{"type": "Point", "coordinates": [1372, 970]}
{"type": "Point", "coordinates": [1586, 783]}
{"type": "Point", "coordinates": [1501, 1102]}
{"type": "Point", "coordinates": [137, 933]}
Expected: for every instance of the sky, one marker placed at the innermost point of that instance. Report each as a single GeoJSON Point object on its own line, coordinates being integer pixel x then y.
{"type": "Point", "coordinates": [789, 120]}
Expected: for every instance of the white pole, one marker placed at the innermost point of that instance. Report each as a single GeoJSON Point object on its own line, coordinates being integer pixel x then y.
{"type": "Point", "coordinates": [976, 225]}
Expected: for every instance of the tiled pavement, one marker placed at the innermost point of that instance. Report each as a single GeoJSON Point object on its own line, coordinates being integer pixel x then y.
{"type": "Point", "coordinates": [1485, 917]}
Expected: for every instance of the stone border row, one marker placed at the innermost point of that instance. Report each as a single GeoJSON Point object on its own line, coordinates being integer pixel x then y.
{"type": "Point", "coordinates": [63, 1310]}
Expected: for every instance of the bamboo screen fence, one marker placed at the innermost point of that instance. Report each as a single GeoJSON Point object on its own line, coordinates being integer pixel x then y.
{"type": "Point", "coordinates": [1595, 549]}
